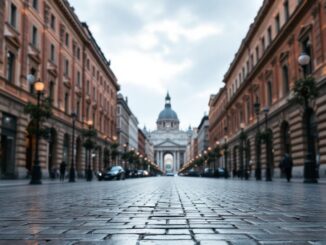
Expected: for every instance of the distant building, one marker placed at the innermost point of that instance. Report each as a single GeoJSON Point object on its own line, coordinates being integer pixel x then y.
{"type": "Point", "coordinates": [169, 141]}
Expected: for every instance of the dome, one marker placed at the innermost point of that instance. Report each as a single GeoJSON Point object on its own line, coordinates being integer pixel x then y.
{"type": "Point", "coordinates": [167, 114]}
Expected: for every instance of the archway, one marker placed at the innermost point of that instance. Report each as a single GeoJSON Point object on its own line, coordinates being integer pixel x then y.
{"type": "Point", "coordinates": [235, 168]}
{"type": "Point", "coordinates": [52, 152]}
{"type": "Point", "coordinates": [8, 146]}
{"type": "Point", "coordinates": [66, 147]}
{"type": "Point", "coordinates": [168, 162]}
{"type": "Point", "coordinates": [78, 159]}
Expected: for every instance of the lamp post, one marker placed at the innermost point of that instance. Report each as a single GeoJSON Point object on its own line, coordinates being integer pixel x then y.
{"type": "Point", "coordinates": [310, 174]}
{"type": "Point", "coordinates": [125, 146]}
{"type": "Point", "coordinates": [36, 170]}
{"type": "Point", "coordinates": [268, 145]}
{"type": "Point", "coordinates": [258, 164]}
{"type": "Point", "coordinates": [217, 154]}
{"type": "Point", "coordinates": [72, 166]}
{"type": "Point", "coordinates": [242, 138]}
{"type": "Point", "coordinates": [89, 169]}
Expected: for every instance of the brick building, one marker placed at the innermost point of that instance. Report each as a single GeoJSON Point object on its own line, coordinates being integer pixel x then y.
{"type": "Point", "coordinates": [264, 70]}
{"type": "Point", "coordinates": [43, 39]}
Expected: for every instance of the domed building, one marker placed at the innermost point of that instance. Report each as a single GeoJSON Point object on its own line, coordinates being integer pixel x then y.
{"type": "Point", "coordinates": [169, 141]}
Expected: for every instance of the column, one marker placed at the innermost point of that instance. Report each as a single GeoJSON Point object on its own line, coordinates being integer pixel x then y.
{"type": "Point", "coordinates": [178, 157]}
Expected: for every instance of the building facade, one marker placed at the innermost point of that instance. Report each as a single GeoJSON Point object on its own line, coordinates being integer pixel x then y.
{"type": "Point", "coordinates": [202, 136]}
{"type": "Point", "coordinates": [133, 132]}
{"type": "Point", "coordinates": [264, 72]}
{"type": "Point", "coordinates": [123, 117]}
{"type": "Point", "coordinates": [44, 40]}
{"type": "Point", "coordinates": [169, 141]}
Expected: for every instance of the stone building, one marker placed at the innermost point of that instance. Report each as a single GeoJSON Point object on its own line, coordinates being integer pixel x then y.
{"type": "Point", "coordinates": [123, 115]}
{"type": "Point", "coordinates": [264, 72]}
{"type": "Point", "coordinates": [169, 141]}
{"type": "Point", "coordinates": [44, 40]}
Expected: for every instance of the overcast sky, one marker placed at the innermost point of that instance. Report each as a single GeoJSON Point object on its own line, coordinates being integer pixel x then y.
{"type": "Point", "coordinates": [181, 46]}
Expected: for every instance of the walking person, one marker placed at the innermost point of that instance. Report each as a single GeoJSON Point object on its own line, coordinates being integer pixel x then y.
{"type": "Point", "coordinates": [287, 165]}
{"type": "Point", "coordinates": [62, 171]}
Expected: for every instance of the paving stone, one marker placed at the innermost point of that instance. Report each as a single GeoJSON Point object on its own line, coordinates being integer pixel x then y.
{"type": "Point", "coordinates": [164, 211]}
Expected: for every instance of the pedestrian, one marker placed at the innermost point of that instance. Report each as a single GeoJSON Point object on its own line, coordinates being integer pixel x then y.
{"type": "Point", "coordinates": [62, 170]}
{"type": "Point", "coordinates": [287, 165]}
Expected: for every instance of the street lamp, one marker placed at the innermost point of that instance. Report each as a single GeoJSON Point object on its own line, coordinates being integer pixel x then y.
{"type": "Point", "coordinates": [268, 145]}
{"type": "Point", "coordinates": [72, 166]}
{"type": "Point", "coordinates": [36, 170]}
{"type": "Point", "coordinates": [310, 174]}
{"type": "Point", "coordinates": [258, 167]}
{"type": "Point", "coordinates": [89, 170]}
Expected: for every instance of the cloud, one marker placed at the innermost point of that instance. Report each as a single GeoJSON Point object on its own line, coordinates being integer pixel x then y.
{"type": "Point", "coordinates": [183, 46]}
{"type": "Point", "coordinates": [147, 69]}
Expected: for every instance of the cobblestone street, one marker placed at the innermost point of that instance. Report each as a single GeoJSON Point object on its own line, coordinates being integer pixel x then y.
{"type": "Point", "coordinates": [164, 210]}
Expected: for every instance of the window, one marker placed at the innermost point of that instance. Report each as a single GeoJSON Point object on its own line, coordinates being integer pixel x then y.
{"type": "Point", "coordinates": [286, 10]}
{"type": "Point", "coordinates": [270, 37]}
{"type": "Point", "coordinates": [78, 79]}
{"type": "Point", "coordinates": [247, 63]}
{"type": "Point", "coordinates": [52, 23]}
{"type": "Point", "coordinates": [87, 64]}
{"type": "Point", "coordinates": [66, 72]}
{"type": "Point", "coordinates": [51, 91]}
{"type": "Point", "coordinates": [10, 66]}
{"type": "Point", "coordinates": [94, 94]}
{"type": "Point", "coordinates": [31, 85]}
{"type": "Point", "coordinates": [34, 36]}
{"type": "Point", "coordinates": [243, 73]}
{"type": "Point", "coordinates": [13, 15]}
{"type": "Point", "coordinates": [240, 78]}
{"type": "Point", "coordinates": [87, 87]}
{"type": "Point", "coordinates": [306, 47]}
{"type": "Point", "coordinates": [78, 53]}
{"type": "Point", "coordinates": [257, 54]}
{"type": "Point", "coordinates": [263, 43]}
{"type": "Point", "coordinates": [285, 74]}
{"type": "Point", "coordinates": [93, 72]}
{"type": "Point", "coordinates": [67, 39]}
{"type": "Point", "coordinates": [66, 102]}
{"type": "Point", "coordinates": [277, 23]}
{"type": "Point", "coordinates": [252, 61]}
{"type": "Point", "coordinates": [52, 53]}
{"type": "Point", "coordinates": [269, 93]}
{"type": "Point", "coordinates": [35, 4]}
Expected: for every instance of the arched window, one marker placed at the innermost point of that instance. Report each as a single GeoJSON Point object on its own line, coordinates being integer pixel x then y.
{"type": "Point", "coordinates": [285, 74]}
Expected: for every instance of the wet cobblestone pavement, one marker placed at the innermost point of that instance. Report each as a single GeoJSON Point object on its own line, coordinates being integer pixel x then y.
{"type": "Point", "coordinates": [164, 210]}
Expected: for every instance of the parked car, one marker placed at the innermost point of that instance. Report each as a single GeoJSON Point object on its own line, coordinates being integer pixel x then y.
{"type": "Point", "coordinates": [208, 172]}
{"type": "Point", "coordinates": [142, 173]}
{"type": "Point", "coordinates": [193, 173]}
{"type": "Point", "coordinates": [116, 172]}
{"type": "Point", "coordinates": [169, 174]}
{"type": "Point", "coordinates": [219, 172]}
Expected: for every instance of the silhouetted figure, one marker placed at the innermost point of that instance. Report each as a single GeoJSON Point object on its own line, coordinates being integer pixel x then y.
{"type": "Point", "coordinates": [286, 166]}
{"type": "Point", "coordinates": [62, 171]}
